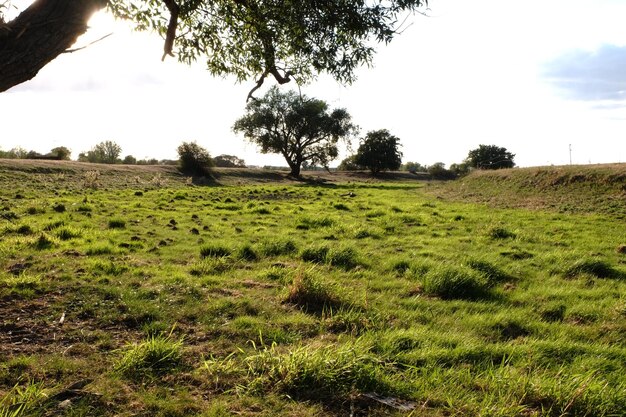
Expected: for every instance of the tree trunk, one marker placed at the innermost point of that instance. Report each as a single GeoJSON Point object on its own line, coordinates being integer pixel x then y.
{"type": "Point", "coordinates": [39, 34]}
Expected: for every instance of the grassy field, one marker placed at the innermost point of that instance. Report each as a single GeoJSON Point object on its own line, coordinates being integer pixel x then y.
{"type": "Point", "coordinates": [133, 292]}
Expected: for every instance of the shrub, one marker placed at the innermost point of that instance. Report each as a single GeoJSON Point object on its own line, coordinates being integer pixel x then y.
{"type": "Point", "coordinates": [156, 356]}
{"type": "Point", "coordinates": [214, 251]}
{"type": "Point", "coordinates": [194, 159]}
{"type": "Point", "coordinates": [453, 283]}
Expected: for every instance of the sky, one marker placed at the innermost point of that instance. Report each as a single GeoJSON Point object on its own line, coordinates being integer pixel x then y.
{"type": "Point", "coordinates": [536, 77]}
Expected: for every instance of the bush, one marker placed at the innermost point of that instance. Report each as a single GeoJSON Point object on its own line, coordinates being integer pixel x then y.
{"type": "Point", "coordinates": [194, 160]}
{"type": "Point", "coordinates": [453, 283]}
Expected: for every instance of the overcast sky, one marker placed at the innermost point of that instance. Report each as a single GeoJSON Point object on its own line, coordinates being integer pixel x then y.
{"type": "Point", "coordinates": [532, 76]}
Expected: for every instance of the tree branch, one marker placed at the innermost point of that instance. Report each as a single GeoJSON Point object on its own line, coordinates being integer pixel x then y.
{"type": "Point", "coordinates": [171, 28]}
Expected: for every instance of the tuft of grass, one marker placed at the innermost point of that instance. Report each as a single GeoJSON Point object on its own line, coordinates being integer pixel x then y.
{"type": "Point", "coordinates": [155, 356]}
{"type": "Point", "coordinates": [43, 242]}
{"type": "Point", "coordinates": [492, 273]}
{"type": "Point", "coordinates": [316, 254]}
{"type": "Point", "coordinates": [247, 253]}
{"type": "Point", "coordinates": [595, 268]}
{"type": "Point", "coordinates": [102, 249]}
{"type": "Point", "coordinates": [25, 229]}
{"type": "Point", "coordinates": [68, 233]}
{"type": "Point", "coordinates": [500, 233]}
{"type": "Point", "coordinates": [278, 247]}
{"type": "Point", "coordinates": [312, 293]}
{"type": "Point", "coordinates": [333, 373]}
{"type": "Point", "coordinates": [341, 206]}
{"type": "Point", "coordinates": [22, 400]}
{"type": "Point", "coordinates": [344, 257]}
{"type": "Point", "coordinates": [215, 251]}
{"type": "Point", "coordinates": [454, 283]}
{"type": "Point", "coordinates": [59, 207]}
{"type": "Point", "coordinates": [315, 223]}
{"type": "Point", "coordinates": [117, 224]}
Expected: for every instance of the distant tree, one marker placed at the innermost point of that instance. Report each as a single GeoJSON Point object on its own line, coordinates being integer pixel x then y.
{"type": "Point", "coordinates": [15, 153]}
{"type": "Point", "coordinates": [379, 151]}
{"type": "Point", "coordinates": [349, 164]}
{"type": "Point", "coordinates": [61, 153]}
{"type": "Point", "coordinates": [129, 160]}
{"type": "Point", "coordinates": [34, 155]}
{"type": "Point", "coordinates": [490, 157]}
{"type": "Point", "coordinates": [229, 161]}
{"type": "Point", "coordinates": [461, 169]}
{"type": "Point", "coordinates": [194, 160]}
{"type": "Point", "coordinates": [107, 152]}
{"type": "Point", "coordinates": [152, 161]}
{"type": "Point", "coordinates": [438, 171]}
{"type": "Point", "coordinates": [413, 167]}
{"type": "Point", "coordinates": [299, 128]}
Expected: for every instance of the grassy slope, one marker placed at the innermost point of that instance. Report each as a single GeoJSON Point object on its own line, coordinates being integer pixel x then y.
{"type": "Point", "coordinates": [294, 298]}
{"type": "Point", "coordinates": [571, 189]}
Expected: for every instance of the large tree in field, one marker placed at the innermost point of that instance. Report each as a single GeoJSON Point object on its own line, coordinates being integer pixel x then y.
{"type": "Point", "coordinates": [299, 128]}
{"type": "Point", "coordinates": [490, 157]}
{"type": "Point", "coordinates": [379, 151]}
{"type": "Point", "coordinates": [250, 39]}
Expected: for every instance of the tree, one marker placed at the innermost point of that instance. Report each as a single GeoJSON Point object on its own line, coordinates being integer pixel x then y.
{"type": "Point", "coordinates": [490, 157]}
{"type": "Point", "coordinates": [349, 164]}
{"type": "Point", "coordinates": [107, 152]}
{"type": "Point", "coordinates": [438, 171]}
{"type": "Point", "coordinates": [379, 151]}
{"type": "Point", "coordinates": [129, 160]}
{"type": "Point", "coordinates": [244, 38]}
{"type": "Point", "coordinates": [194, 159]}
{"type": "Point", "coordinates": [413, 167]}
{"type": "Point", "coordinates": [229, 161]}
{"type": "Point", "coordinates": [299, 128]}
{"type": "Point", "coordinates": [61, 153]}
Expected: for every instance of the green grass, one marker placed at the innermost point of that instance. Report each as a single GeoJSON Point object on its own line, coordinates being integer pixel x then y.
{"type": "Point", "coordinates": [293, 300]}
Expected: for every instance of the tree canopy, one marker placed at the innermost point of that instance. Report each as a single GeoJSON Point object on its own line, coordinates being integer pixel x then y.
{"type": "Point", "coordinates": [106, 152]}
{"type": "Point", "coordinates": [250, 39]}
{"type": "Point", "coordinates": [299, 128]}
{"type": "Point", "coordinates": [490, 157]}
{"type": "Point", "coordinates": [379, 151]}
{"type": "Point", "coordinates": [194, 160]}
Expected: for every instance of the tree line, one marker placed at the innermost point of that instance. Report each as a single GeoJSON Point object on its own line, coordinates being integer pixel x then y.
{"type": "Point", "coordinates": [306, 132]}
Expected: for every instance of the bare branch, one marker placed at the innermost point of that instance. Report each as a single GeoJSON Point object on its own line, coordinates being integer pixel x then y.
{"type": "Point", "coordinates": [69, 51]}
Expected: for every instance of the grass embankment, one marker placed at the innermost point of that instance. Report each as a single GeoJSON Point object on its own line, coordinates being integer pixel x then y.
{"type": "Point", "coordinates": [296, 299]}
{"type": "Point", "coordinates": [567, 189]}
